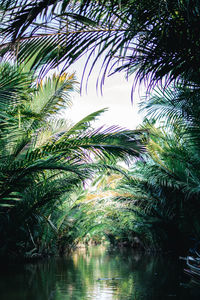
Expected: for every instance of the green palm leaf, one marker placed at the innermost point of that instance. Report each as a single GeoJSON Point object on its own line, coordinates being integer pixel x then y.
{"type": "Point", "coordinates": [132, 35]}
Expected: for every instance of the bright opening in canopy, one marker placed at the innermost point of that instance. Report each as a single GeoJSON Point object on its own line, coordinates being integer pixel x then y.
{"type": "Point", "coordinates": [116, 97]}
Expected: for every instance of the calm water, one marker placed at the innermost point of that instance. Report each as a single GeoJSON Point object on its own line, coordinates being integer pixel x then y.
{"type": "Point", "coordinates": [137, 276]}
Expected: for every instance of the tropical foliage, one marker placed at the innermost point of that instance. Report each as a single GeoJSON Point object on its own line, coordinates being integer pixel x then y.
{"type": "Point", "coordinates": [156, 205]}
{"type": "Point", "coordinates": [163, 190]}
{"type": "Point", "coordinates": [45, 159]}
{"type": "Point", "coordinates": [46, 162]}
{"type": "Point", "coordinates": [156, 39]}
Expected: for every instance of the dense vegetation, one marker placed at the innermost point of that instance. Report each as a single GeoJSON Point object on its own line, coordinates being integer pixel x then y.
{"type": "Point", "coordinates": [61, 183]}
{"type": "Point", "coordinates": [45, 160]}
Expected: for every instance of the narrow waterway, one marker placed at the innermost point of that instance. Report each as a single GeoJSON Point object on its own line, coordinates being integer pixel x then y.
{"type": "Point", "coordinates": [98, 274]}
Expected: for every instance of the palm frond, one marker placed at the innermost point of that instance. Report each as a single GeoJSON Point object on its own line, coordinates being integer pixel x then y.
{"type": "Point", "coordinates": [133, 37]}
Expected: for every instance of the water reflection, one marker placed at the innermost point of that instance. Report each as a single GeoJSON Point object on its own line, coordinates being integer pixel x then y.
{"type": "Point", "coordinates": [98, 274]}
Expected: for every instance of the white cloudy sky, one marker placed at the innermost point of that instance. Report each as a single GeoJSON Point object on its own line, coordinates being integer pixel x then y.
{"type": "Point", "coordinates": [116, 97]}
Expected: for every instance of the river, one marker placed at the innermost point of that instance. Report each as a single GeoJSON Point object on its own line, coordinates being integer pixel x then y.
{"type": "Point", "coordinates": [98, 273]}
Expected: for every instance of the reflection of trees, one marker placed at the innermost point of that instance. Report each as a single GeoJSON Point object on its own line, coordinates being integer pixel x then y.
{"type": "Point", "coordinates": [49, 280]}
{"type": "Point", "coordinates": [76, 277]}
{"type": "Point", "coordinates": [153, 277]}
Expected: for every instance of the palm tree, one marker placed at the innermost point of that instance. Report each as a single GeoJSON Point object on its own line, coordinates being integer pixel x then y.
{"type": "Point", "coordinates": [157, 39]}
{"type": "Point", "coordinates": [163, 189]}
{"type": "Point", "coordinates": [44, 157]}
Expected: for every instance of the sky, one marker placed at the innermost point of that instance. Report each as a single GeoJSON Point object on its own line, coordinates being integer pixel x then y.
{"type": "Point", "coordinates": [116, 97]}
